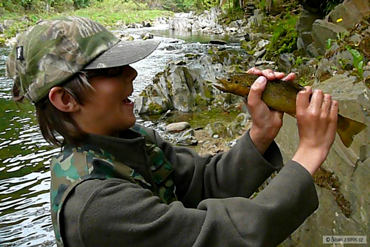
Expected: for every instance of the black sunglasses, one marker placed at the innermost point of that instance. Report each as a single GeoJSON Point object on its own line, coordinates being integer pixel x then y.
{"type": "Point", "coordinates": [106, 72]}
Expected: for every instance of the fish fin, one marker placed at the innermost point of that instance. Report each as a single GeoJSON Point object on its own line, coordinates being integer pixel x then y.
{"type": "Point", "coordinates": [347, 129]}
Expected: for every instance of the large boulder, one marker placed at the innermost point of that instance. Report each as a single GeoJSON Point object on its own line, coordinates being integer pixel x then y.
{"type": "Point", "coordinates": [176, 89]}
{"type": "Point", "coordinates": [343, 181]}
{"type": "Point", "coordinates": [187, 84]}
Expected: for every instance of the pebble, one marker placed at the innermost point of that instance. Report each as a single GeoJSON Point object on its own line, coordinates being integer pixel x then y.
{"type": "Point", "coordinates": [177, 127]}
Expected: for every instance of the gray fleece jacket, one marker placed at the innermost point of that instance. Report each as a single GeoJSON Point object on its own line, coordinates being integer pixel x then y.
{"type": "Point", "coordinates": [214, 209]}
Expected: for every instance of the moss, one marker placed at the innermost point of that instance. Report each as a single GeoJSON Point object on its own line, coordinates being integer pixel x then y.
{"type": "Point", "coordinates": [2, 41]}
{"type": "Point", "coordinates": [208, 93]}
{"type": "Point", "coordinates": [200, 101]}
{"type": "Point", "coordinates": [248, 46]}
{"type": "Point", "coordinates": [188, 78]}
{"type": "Point", "coordinates": [192, 56]}
{"type": "Point", "coordinates": [326, 179]}
{"type": "Point", "coordinates": [154, 108]}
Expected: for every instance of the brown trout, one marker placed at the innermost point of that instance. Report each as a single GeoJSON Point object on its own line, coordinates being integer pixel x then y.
{"type": "Point", "coordinates": [281, 96]}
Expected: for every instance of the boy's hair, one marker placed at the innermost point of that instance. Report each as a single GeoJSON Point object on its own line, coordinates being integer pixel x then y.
{"type": "Point", "coordinates": [53, 121]}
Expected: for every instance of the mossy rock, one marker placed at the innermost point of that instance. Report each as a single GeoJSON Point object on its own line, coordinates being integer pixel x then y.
{"type": "Point", "coordinates": [2, 41]}
{"type": "Point", "coordinates": [200, 101]}
{"type": "Point", "coordinates": [154, 108]}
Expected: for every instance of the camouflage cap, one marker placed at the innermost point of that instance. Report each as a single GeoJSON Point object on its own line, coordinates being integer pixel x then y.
{"type": "Point", "coordinates": [52, 51]}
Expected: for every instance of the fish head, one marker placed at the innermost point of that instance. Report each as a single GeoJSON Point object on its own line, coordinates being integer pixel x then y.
{"type": "Point", "coordinates": [238, 84]}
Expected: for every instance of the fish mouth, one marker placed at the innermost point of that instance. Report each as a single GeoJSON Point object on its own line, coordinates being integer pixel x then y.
{"type": "Point", "coordinates": [219, 85]}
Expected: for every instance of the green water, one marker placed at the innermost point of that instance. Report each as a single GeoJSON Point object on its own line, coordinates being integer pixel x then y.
{"type": "Point", "coordinates": [24, 173]}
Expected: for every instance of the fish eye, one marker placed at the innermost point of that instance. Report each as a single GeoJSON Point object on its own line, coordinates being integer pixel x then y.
{"type": "Point", "coordinates": [228, 79]}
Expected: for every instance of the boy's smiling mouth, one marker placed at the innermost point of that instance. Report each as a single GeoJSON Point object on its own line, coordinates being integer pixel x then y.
{"type": "Point", "coordinates": [127, 100]}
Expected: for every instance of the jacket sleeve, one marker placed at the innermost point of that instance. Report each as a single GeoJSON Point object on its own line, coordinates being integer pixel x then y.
{"type": "Point", "coordinates": [116, 212]}
{"type": "Point", "coordinates": [238, 172]}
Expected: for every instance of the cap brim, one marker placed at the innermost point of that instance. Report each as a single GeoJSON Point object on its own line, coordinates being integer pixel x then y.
{"type": "Point", "coordinates": [123, 53]}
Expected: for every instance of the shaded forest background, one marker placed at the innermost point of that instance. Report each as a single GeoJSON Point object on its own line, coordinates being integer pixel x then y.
{"type": "Point", "coordinates": [172, 5]}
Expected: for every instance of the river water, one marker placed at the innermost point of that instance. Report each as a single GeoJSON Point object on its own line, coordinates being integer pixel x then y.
{"type": "Point", "coordinates": [25, 156]}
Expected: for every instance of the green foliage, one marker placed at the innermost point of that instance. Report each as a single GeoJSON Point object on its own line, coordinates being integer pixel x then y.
{"type": "Point", "coordinates": [187, 5]}
{"type": "Point", "coordinates": [40, 6]}
{"type": "Point", "coordinates": [284, 37]}
{"type": "Point", "coordinates": [328, 43]}
{"type": "Point", "coordinates": [81, 3]}
{"type": "Point", "coordinates": [110, 12]}
{"type": "Point", "coordinates": [298, 61]}
{"type": "Point", "coordinates": [232, 14]}
{"type": "Point", "coordinates": [358, 62]}
{"type": "Point", "coordinates": [178, 5]}
{"type": "Point", "coordinates": [107, 12]}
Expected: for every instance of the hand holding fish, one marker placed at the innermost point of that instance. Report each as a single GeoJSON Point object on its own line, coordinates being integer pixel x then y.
{"type": "Point", "coordinates": [281, 96]}
{"type": "Point", "coordinates": [266, 122]}
{"type": "Point", "coordinates": [317, 123]}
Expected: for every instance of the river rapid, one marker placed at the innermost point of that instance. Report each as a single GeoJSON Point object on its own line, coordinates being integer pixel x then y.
{"type": "Point", "coordinates": [25, 156]}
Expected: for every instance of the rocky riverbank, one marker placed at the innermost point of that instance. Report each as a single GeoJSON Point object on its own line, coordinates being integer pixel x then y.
{"type": "Point", "coordinates": [334, 56]}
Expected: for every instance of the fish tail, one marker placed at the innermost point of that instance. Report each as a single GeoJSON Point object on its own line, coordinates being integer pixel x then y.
{"type": "Point", "coordinates": [347, 129]}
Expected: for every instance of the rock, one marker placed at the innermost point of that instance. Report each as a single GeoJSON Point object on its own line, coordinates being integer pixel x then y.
{"type": "Point", "coordinates": [234, 24]}
{"type": "Point", "coordinates": [11, 42]}
{"type": "Point", "coordinates": [247, 37]}
{"type": "Point", "coordinates": [205, 23]}
{"type": "Point", "coordinates": [146, 36]}
{"type": "Point", "coordinates": [218, 129]}
{"type": "Point", "coordinates": [264, 62]}
{"type": "Point", "coordinates": [146, 24]}
{"type": "Point", "coordinates": [171, 48]}
{"type": "Point", "coordinates": [346, 16]}
{"type": "Point", "coordinates": [25, 19]}
{"type": "Point", "coordinates": [262, 44]}
{"type": "Point", "coordinates": [239, 125]}
{"type": "Point", "coordinates": [312, 51]}
{"type": "Point", "coordinates": [350, 13]}
{"type": "Point", "coordinates": [186, 84]}
{"type": "Point", "coordinates": [343, 182]}
{"type": "Point", "coordinates": [187, 138]}
{"type": "Point", "coordinates": [126, 37]}
{"type": "Point", "coordinates": [285, 62]}
{"type": "Point", "coordinates": [322, 31]}
{"type": "Point", "coordinates": [135, 25]}
{"type": "Point", "coordinates": [306, 21]}
{"type": "Point", "coordinates": [217, 42]}
{"type": "Point", "coordinates": [177, 127]}
{"type": "Point", "coordinates": [259, 54]}
{"type": "Point", "coordinates": [120, 24]}
{"type": "Point", "coordinates": [8, 23]}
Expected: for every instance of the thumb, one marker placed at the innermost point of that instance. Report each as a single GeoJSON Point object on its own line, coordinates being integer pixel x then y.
{"type": "Point", "coordinates": [254, 97]}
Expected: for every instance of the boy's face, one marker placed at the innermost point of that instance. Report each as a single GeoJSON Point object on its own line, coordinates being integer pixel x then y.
{"type": "Point", "coordinates": [108, 109]}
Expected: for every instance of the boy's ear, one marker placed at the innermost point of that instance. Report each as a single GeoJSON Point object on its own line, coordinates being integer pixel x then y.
{"type": "Point", "coordinates": [62, 100]}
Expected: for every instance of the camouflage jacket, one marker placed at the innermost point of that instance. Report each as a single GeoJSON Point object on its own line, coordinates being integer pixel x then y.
{"type": "Point", "coordinates": [76, 164]}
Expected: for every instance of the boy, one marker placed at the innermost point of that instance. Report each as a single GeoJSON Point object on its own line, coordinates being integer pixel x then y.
{"type": "Point", "coordinates": [119, 184]}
